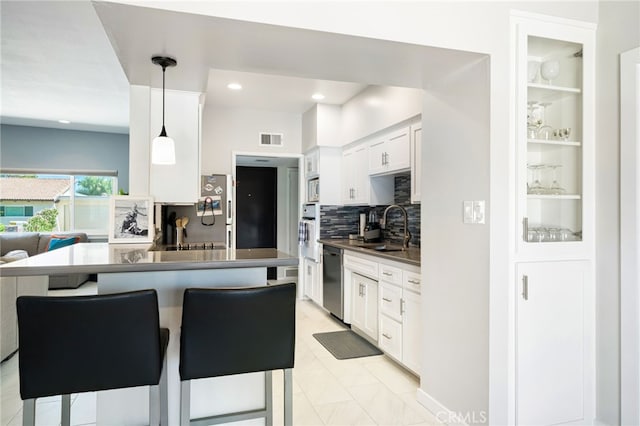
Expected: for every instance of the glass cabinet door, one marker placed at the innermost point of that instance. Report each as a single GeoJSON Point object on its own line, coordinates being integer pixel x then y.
{"type": "Point", "coordinates": [551, 137]}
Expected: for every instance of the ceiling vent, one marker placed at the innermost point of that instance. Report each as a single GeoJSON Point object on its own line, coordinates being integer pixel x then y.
{"type": "Point", "coordinates": [271, 139]}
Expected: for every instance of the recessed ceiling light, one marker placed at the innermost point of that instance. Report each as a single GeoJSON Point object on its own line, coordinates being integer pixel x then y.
{"type": "Point", "coordinates": [318, 96]}
{"type": "Point", "coordinates": [234, 86]}
{"type": "Point", "coordinates": [64, 121]}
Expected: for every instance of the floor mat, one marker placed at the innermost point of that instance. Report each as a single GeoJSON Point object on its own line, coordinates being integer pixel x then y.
{"type": "Point", "coordinates": [346, 344]}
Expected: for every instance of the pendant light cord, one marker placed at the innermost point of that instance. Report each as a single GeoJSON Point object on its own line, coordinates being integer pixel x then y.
{"type": "Point", "coordinates": [164, 69]}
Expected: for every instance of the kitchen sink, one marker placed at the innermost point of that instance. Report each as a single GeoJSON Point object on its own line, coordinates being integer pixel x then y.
{"type": "Point", "coordinates": [385, 247]}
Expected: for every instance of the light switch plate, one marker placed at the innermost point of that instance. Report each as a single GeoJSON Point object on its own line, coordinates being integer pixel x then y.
{"type": "Point", "coordinates": [473, 212]}
{"type": "Point", "coordinates": [478, 212]}
{"type": "Point", "coordinates": [467, 209]}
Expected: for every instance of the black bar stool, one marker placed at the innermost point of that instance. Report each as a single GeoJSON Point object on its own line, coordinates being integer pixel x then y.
{"type": "Point", "coordinates": [229, 331]}
{"type": "Point", "coordinates": [117, 339]}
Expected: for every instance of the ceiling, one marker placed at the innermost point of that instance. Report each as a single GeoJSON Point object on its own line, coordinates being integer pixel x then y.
{"type": "Point", "coordinates": [75, 61]}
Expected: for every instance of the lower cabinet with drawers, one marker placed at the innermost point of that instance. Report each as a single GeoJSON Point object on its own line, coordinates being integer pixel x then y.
{"type": "Point", "coordinates": [385, 305]}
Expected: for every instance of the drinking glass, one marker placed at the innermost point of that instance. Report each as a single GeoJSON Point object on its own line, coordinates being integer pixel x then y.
{"type": "Point", "coordinates": [536, 186]}
{"type": "Point", "coordinates": [550, 70]}
{"type": "Point", "coordinates": [555, 187]}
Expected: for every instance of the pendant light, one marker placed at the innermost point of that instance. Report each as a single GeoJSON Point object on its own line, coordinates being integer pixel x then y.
{"type": "Point", "coordinates": [163, 150]}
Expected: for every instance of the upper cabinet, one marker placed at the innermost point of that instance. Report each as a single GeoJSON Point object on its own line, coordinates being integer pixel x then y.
{"type": "Point", "coordinates": [555, 138]}
{"type": "Point", "coordinates": [390, 152]}
{"type": "Point", "coordinates": [323, 175]}
{"type": "Point", "coordinates": [416, 161]}
{"type": "Point", "coordinates": [357, 187]}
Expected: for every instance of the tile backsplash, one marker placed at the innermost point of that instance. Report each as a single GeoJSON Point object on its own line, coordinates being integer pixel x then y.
{"type": "Point", "coordinates": [340, 221]}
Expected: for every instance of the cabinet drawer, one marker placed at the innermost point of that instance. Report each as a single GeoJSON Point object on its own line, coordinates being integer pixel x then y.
{"type": "Point", "coordinates": [411, 281]}
{"type": "Point", "coordinates": [390, 300]}
{"type": "Point", "coordinates": [390, 339]}
{"type": "Point", "coordinates": [365, 267]}
{"type": "Point", "coordinates": [390, 274]}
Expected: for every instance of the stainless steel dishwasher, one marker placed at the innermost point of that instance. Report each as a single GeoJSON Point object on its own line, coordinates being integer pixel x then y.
{"type": "Point", "coordinates": [332, 282]}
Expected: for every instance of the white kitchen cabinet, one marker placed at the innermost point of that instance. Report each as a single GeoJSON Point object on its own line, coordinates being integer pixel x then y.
{"type": "Point", "coordinates": [400, 328]}
{"type": "Point", "coordinates": [390, 340]}
{"type": "Point", "coordinates": [355, 183]}
{"type": "Point", "coordinates": [358, 188]}
{"type": "Point", "coordinates": [552, 352]}
{"type": "Point", "coordinates": [390, 152]}
{"type": "Point", "coordinates": [324, 164]}
{"type": "Point", "coordinates": [553, 345]}
{"type": "Point", "coordinates": [312, 281]}
{"type": "Point", "coordinates": [180, 182]}
{"type": "Point", "coordinates": [365, 305]}
{"type": "Point", "coordinates": [311, 160]}
{"type": "Point", "coordinates": [416, 162]}
{"type": "Point", "coordinates": [411, 330]}
{"type": "Point", "coordinates": [555, 97]}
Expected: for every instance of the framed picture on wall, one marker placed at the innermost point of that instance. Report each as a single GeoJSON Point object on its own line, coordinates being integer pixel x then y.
{"type": "Point", "coordinates": [131, 219]}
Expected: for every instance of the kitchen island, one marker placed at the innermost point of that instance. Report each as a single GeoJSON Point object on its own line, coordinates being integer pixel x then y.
{"type": "Point", "coordinates": [128, 267]}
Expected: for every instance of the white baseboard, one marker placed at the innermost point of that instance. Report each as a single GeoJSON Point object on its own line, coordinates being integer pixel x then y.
{"type": "Point", "coordinates": [439, 411]}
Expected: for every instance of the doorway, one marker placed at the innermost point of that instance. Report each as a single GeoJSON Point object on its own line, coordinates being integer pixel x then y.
{"type": "Point", "coordinates": [278, 183]}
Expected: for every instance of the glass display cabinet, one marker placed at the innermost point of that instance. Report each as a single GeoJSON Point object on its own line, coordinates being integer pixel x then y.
{"type": "Point", "coordinates": [553, 129]}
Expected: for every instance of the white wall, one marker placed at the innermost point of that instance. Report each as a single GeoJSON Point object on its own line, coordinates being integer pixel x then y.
{"type": "Point", "coordinates": [233, 129]}
{"type": "Point", "coordinates": [618, 31]}
{"type": "Point", "coordinates": [455, 256]}
{"type": "Point", "coordinates": [377, 108]}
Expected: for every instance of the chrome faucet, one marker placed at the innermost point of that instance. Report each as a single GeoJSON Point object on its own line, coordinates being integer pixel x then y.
{"type": "Point", "coordinates": [407, 234]}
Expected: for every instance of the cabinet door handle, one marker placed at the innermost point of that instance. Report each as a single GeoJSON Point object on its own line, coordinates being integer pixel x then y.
{"type": "Point", "coordinates": [386, 300]}
{"type": "Point", "coordinates": [414, 282]}
{"type": "Point", "coordinates": [388, 274]}
{"type": "Point", "coordinates": [386, 158]}
{"type": "Point", "coordinates": [401, 306]}
{"type": "Point", "coordinates": [525, 229]}
{"type": "Point", "coordinates": [382, 159]}
{"type": "Point", "coordinates": [525, 287]}
{"type": "Point", "coordinates": [386, 335]}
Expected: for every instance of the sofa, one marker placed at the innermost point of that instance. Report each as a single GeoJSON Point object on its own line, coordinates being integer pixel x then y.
{"type": "Point", "coordinates": [19, 245]}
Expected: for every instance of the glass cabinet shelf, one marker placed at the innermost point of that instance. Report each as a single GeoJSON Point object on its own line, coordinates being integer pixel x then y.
{"type": "Point", "coordinates": [554, 142]}
{"type": "Point", "coordinates": [554, 196]}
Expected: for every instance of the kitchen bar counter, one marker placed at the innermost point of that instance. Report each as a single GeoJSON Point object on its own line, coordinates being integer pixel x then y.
{"type": "Point", "coordinates": [95, 258]}
{"type": "Point", "coordinates": [410, 256]}
{"type": "Point", "coordinates": [129, 267]}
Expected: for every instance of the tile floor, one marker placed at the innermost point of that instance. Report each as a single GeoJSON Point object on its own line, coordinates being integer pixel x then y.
{"type": "Point", "coordinates": [326, 391]}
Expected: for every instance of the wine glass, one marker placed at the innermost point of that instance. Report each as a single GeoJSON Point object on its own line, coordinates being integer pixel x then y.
{"type": "Point", "coordinates": [545, 131]}
{"type": "Point", "coordinates": [555, 187]}
{"type": "Point", "coordinates": [536, 186]}
{"type": "Point", "coordinates": [533, 119]}
{"type": "Point", "coordinates": [550, 70]}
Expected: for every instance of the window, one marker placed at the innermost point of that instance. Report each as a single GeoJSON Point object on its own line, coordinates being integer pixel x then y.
{"type": "Point", "coordinates": [80, 200]}
{"type": "Point", "coordinates": [18, 211]}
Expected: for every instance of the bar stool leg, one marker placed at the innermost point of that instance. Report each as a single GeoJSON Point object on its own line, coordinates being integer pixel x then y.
{"type": "Point", "coordinates": [288, 397]}
{"type": "Point", "coordinates": [268, 398]}
{"type": "Point", "coordinates": [154, 405]}
{"type": "Point", "coordinates": [29, 412]}
{"type": "Point", "coordinates": [66, 410]}
{"type": "Point", "coordinates": [185, 402]}
{"type": "Point", "coordinates": [164, 395]}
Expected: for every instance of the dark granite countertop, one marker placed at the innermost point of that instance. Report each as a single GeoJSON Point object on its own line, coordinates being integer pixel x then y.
{"type": "Point", "coordinates": [410, 256]}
